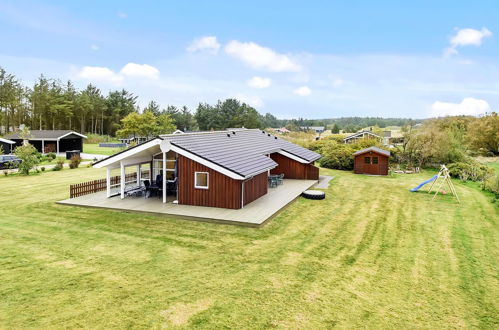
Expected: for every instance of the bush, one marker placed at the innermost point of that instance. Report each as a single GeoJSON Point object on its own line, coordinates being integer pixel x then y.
{"type": "Point", "coordinates": [492, 184]}
{"type": "Point", "coordinates": [59, 165]}
{"type": "Point", "coordinates": [29, 158]}
{"type": "Point", "coordinates": [338, 155]}
{"type": "Point", "coordinates": [74, 162]}
{"type": "Point", "coordinates": [50, 155]}
{"type": "Point", "coordinates": [470, 170]}
{"type": "Point", "coordinates": [43, 169]}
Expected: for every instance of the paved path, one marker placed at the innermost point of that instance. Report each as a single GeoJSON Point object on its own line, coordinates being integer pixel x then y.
{"type": "Point", "coordinates": [324, 182]}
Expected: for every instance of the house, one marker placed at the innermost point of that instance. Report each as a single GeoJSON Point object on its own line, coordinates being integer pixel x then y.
{"type": "Point", "coordinates": [316, 129]}
{"type": "Point", "coordinates": [361, 135]}
{"type": "Point", "coordinates": [57, 141]}
{"type": "Point", "coordinates": [371, 160]}
{"type": "Point", "coordinates": [393, 138]}
{"type": "Point", "coordinates": [282, 130]}
{"type": "Point", "coordinates": [222, 169]}
{"type": "Point", "coordinates": [7, 145]}
{"type": "Point", "coordinates": [134, 139]}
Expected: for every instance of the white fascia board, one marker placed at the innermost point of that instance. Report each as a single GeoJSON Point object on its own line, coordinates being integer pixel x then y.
{"type": "Point", "coordinates": [6, 141]}
{"type": "Point", "coordinates": [207, 163]}
{"type": "Point", "coordinates": [126, 154]}
{"type": "Point", "coordinates": [136, 161]}
{"type": "Point", "coordinates": [72, 132]}
{"type": "Point", "coordinates": [293, 157]}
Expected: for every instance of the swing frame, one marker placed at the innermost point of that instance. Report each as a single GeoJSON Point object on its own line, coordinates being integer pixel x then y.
{"type": "Point", "coordinates": [445, 176]}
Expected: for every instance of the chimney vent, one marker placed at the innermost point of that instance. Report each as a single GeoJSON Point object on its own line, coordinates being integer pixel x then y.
{"type": "Point", "coordinates": [228, 134]}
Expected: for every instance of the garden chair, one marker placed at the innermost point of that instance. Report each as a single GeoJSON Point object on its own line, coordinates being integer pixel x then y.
{"type": "Point", "coordinates": [280, 179]}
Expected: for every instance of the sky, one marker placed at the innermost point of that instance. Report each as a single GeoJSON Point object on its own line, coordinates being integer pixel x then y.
{"type": "Point", "coordinates": [311, 59]}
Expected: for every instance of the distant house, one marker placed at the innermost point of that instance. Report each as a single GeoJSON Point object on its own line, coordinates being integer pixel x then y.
{"type": "Point", "coordinates": [46, 141]}
{"type": "Point", "coordinates": [7, 145]}
{"type": "Point", "coordinates": [134, 139]}
{"type": "Point", "coordinates": [224, 169]}
{"type": "Point", "coordinates": [361, 135]}
{"type": "Point", "coordinates": [372, 161]}
{"type": "Point", "coordinates": [178, 132]}
{"type": "Point", "coordinates": [393, 138]}
{"type": "Point", "coordinates": [282, 130]}
{"type": "Point", "coordinates": [316, 129]}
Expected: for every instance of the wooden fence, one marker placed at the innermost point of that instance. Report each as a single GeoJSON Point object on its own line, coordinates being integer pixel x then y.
{"type": "Point", "coordinates": [90, 187]}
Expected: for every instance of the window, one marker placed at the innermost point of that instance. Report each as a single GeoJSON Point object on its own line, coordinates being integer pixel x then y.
{"type": "Point", "coordinates": [201, 180]}
{"type": "Point", "coordinates": [367, 160]}
{"type": "Point", "coordinates": [375, 160]}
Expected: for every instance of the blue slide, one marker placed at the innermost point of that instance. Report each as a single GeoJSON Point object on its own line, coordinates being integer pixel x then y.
{"type": "Point", "coordinates": [424, 182]}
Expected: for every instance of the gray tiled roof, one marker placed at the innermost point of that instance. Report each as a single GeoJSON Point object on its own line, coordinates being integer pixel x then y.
{"type": "Point", "coordinates": [42, 134]}
{"type": "Point", "coordinates": [242, 151]}
{"type": "Point", "coordinates": [375, 149]}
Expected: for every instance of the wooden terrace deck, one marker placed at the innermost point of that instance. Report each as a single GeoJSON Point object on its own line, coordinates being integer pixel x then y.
{"type": "Point", "coordinates": [254, 214]}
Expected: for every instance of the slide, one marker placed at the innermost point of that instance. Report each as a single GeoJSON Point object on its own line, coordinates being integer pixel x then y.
{"type": "Point", "coordinates": [424, 182]}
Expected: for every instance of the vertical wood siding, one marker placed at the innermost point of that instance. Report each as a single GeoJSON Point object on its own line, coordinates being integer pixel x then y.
{"type": "Point", "coordinates": [222, 192]}
{"type": "Point", "coordinates": [255, 187]}
{"type": "Point", "coordinates": [293, 169]}
{"type": "Point", "coordinates": [376, 169]}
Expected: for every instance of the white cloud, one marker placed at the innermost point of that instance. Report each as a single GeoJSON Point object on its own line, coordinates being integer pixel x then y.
{"type": "Point", "coordinates": [467, 37]}
{"type": "Point", "coordinates": [130, 70]}
{"type": "Point", "coordinates": [208, 43]}
{"type": "Point", "coordinates": [97, 73]}
{"type": "Point", "coordinates": [259, 82]}
{"type": "Point", "coordinates": [140, 70]}
{"type": "Point", "coordinates": [253, 101]}
{"type": "Point", "coordinates": [469, 106]}
{"type": "Point", "coordinates": [259, 57]}
{"type": "Point", "coordinates": [94, 47]}
{"type": "Point", "coordinates": [122, 15]}
{"type": "Point", "coordinates": [303, 91]}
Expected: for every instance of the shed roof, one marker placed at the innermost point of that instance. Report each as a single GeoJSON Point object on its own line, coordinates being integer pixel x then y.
{"type": "Point", "coordinates": [46, 134]}
{"type": "Point", "coordinates": [374, 149]}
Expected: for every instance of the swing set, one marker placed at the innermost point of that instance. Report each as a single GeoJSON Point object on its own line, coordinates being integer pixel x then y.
{"type": "Point", "coordinates": [444, 177]}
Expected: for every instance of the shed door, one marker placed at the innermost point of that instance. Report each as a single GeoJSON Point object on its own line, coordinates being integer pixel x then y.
{"type": "Point", "coordinates": [371, 164]}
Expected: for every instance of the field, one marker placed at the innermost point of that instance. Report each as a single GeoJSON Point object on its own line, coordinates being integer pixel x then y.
{"type": "Point", "coordinates": [371, 255]}
{"type": "Point", "coordinates": [93, 148]}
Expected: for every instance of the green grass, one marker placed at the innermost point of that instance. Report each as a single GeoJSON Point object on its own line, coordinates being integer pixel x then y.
{"type": "Point", "coordinates": [371, 255]}
{"type": "Point", "coordinates": [91, 148]}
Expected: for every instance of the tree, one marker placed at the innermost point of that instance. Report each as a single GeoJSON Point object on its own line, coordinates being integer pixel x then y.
{"type": "Point", "coordinates": [335, 129]}
{"type": "Point", "coordinates": [152, 107]}
{"type": "Point", "coordinates": [483, 134]}
{"type": "Point", "coordinates": [148, 124]}
{"type": "Point", "coordinates": [165, 124]}
{"type": "Point", "coordinates": [28, 155]}
{"type": "Point", "coordinates": [130, 126]}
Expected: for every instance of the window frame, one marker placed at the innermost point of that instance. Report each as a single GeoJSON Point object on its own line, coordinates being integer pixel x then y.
{"type": "Point", "coordinates": [367, 160]}
{"type": "Point", "coordinates": [196, 180]}
{"type": "Point", "coordinates": [375, 162]}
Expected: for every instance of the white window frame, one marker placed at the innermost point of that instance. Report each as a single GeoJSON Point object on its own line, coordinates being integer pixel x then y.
{"type": "Point", "coordinates": [196, 180]}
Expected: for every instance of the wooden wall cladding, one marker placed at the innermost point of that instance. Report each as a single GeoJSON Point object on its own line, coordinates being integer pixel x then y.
{"type": "Point", "coordinates": [293, 169]}
{"type": "Point", "coordinates": [222, 191]}
{"type": "Point", "coordinates": [255, 187]}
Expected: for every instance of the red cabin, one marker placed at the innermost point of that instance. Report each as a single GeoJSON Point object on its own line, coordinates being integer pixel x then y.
{"type": "Point", "coordinates": [372, 161]}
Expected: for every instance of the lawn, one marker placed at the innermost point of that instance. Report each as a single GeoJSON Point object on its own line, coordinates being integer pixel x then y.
{"type": "Point", "coordinates": [371, 254]}
{"type": "Point", "coordinates": [93, 148]}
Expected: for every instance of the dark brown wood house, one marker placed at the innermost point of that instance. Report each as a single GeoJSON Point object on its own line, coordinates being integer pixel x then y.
{"type": "Point", "coordinates": [226, 169]}
{"type": "Point", "coordinates": [372, 161]}
{"type": "Point", "coordinates": [46, 141]}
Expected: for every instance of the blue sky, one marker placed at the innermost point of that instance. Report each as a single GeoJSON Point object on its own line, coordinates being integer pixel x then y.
{"type": "Point", "coordinates": [312, 59]}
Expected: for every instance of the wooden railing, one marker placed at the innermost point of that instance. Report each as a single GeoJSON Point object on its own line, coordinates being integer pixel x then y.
{"type": "Point", "coordinates": [90, 187]}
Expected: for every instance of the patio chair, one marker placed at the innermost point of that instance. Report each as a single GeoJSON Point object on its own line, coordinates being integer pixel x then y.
{"type": "Point", "coordinates": [273, 181]}
{"type": "Point", "coordinates": [280, 179]}
{"type": "Point", "coordinates": [147, 184]}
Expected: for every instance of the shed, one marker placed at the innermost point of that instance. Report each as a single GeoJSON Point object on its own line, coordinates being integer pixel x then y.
{"type": "Point", "coordinates": [372, 161]}
{"type": "Point", "coordinates": [46, 141]}
{"type": "Point", "coordinates": [7, 145]}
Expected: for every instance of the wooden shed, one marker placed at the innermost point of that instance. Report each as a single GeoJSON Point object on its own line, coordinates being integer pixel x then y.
{"type": "Point", "coordinates": [372, 161]}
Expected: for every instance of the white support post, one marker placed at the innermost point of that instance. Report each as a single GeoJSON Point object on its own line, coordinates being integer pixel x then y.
{"type": "Point", "coordinates": [43, 146]}
{"type": "Point", "coordinates": [57, 147]}
{"type": "Point", "coordinates": [108, 181]}
{"type": "Point", "coordinates": [138, 175]}
{"type": "Point", "coordinates": [122, 181]}
{"type": "Point", "coordinates": [164, 177]}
